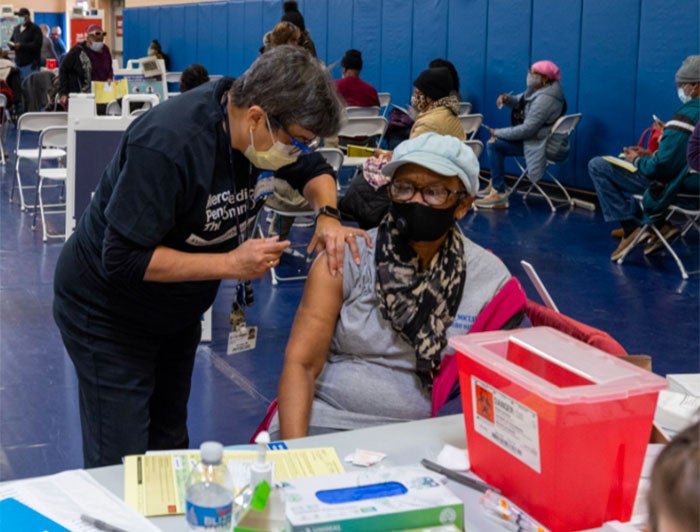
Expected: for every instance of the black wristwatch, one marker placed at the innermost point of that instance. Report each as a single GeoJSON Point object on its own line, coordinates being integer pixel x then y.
{"type": "Point", "coordinates": [328, 211]}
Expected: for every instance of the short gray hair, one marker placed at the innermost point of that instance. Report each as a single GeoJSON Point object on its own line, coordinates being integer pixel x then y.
{"type": "Point", "coordinates": [293, 88]}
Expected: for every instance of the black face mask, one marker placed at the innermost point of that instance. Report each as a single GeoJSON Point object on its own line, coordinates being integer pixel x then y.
{"type": "Point", "coordinates": [420, 223]}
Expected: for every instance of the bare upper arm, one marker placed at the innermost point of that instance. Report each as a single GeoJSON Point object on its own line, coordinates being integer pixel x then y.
{"type": "Point", "coordinates": [316, 317]}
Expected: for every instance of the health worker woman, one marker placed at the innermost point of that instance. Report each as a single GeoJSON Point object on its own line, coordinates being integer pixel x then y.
{"type": "Point", "coordinates": [171, 217]}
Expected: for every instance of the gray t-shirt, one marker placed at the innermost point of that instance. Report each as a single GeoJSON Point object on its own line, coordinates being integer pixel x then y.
{"type": "Point", "coordinates": [369, 377]}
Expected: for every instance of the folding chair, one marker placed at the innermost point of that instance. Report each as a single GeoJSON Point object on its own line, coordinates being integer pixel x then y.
{"type": "Point", "coordinates": [471, 124]}
{"type": "Point", "coordinates": [365, 129]}
{"type": "Point", "coordinates": [113, 108]}
{"type": "Point", "coordinates": [384, 101]}
{"type": "Point", "coordinates": [362, 111]}
{"type": "Point", "coordinates": [465, 108]}
{"type": "Point", "coordinates": [173, 77]}
{"type": "Point", "coordinates": [476, 145]}
{"type": "Point", "coordinates": [565, 125]}
{"type": "Point", "coordinates": [51, 138]}
{"type": "Point", "coordinates": [4, 120]}
{"type": "Point", "coordinates": [300, 210]}
{"type": "Point", "coordinates": [685, 206]}
{"type": "Point", "coordinates": [267, 216]}
{"type": "Point", "coordinates": [34, 122]}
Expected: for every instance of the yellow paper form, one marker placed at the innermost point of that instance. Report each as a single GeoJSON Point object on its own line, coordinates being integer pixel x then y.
{"type": "Point", "coordinates": [106, 91]}
{"type": "Point", "coordinates": [155, 483]}
{"type": "Point", "coordinates": [621, 163]}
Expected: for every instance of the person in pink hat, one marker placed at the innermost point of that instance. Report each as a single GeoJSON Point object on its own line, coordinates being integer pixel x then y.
{"type": "Point", "coordinates": [533, 114]}
{"type": "Point", "coordinates": [88, 61]}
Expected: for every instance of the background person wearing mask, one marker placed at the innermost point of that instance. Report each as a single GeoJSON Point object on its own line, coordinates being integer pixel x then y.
{"type": "Point", "coordinates": [437, 104]}
{"type": "Point", "coordinates": [156, 50]}
{"type": "Point", "coordinates": [83, 64]}
{"type": "Point", "coordinates": [542, 103]}
{"type": "Point", "coordinates": [171, 217]}
{"type": "Point", "coordinates": [26, 41]}
{"type": "Point", "coordinates": [99, 54]}
{"type": "Point", "coordinates": [355, 91]}
{"type": "Point", "coordinates": [616, 186]}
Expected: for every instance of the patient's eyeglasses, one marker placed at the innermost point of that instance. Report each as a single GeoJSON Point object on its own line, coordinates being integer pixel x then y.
{"type": "Point", "coordinates": [434, 195]}
{"type": "Point", "coordinates": [98, 34]}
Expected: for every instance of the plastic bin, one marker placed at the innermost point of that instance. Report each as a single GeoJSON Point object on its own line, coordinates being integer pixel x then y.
{"type": "Point", "coordinates": [559, 426]}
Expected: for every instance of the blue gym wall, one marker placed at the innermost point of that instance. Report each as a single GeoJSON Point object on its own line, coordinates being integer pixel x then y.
{"type": "Point", "coordinates": [617, 57]}
{"type": "Point", "coordinates": [51, 20]}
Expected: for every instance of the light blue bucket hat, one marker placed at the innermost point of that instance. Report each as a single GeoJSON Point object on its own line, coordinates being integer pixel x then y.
{"type": "Point", "coordinates": [444, 155]}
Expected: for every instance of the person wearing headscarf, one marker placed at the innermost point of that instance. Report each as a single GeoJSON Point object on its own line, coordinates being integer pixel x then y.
{"type": "Point", "coordinates": [355, 91]}
{"type": "Point", "coordinates": [541, 105]}
{"type": "Point", "coordinates": [365, 347]}
{"type": "Point", "coordinates": [292, 14]}
{"type": "Point", "coordinates": [616, 186]}
{"type": "Point", "coordinates": [437, 104]}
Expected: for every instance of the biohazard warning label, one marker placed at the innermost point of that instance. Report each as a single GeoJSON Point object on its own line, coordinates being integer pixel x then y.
{"type": "Point", "coordinates": [507, 423]}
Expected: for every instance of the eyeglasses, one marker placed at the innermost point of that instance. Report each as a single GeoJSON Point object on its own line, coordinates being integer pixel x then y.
{"type": "Point", "coordinates": [434, 195]}
{"type": "Point", "coordinates": [303, 145]}
{"type": "Point", "coordinates": [98, 34]}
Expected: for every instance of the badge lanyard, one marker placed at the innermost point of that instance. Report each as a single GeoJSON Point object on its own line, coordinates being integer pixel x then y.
{"type": "Point", "coordinates": [241, 337]}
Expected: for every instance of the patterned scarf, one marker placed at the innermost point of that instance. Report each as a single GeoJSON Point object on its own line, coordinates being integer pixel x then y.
{"type": "Point", "coordinates": [451, 102]}
{"type": "Point", "coordinates": [420, 305]}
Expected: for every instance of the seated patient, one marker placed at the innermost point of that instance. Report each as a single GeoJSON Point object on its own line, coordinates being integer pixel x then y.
{"type": "Point", "coordinates": [364, 344]}
{"type": "Point", "coordinates": [539, 107]}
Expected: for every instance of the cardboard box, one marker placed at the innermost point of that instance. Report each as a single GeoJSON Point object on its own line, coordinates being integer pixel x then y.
{"type": "Point", "coordinates": [395, 498]}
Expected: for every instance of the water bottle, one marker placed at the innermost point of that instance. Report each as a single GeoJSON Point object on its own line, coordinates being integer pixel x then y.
{"type": "Point", "coordinates": [209, 495]}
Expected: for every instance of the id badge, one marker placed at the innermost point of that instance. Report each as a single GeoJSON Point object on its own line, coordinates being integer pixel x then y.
{"type": "Point", "coordinates": [242, 339]}
{"type": "Point", "coordinates": [264, 186]}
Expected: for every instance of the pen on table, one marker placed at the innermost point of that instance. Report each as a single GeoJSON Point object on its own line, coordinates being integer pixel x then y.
{"type": "Point", "coordinates": [100, 525]}
{"type": "Point", "coordinates": [458, 477]}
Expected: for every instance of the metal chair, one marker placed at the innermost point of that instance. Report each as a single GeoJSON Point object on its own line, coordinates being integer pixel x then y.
{"type": "Point", "coordinates": [471, 124]}
{"type": "Point", "coordinates": [363, 111]}
{"type": "Point", "coordinates": [565, 125]}
{"type": "Point", "coordinates": [276, 208]}
{"type": "Point", "coordinates": [113, 108]}
{"type": "Point", "coordinates": [364, 127]}
{"type": "Point", "coordinates": [687, 207]}
{"type": "Point", "coordinates": [384, 101]}
{"type": "Point", "coordinates": [173, 77]}
{"type": "Point", "coordinates": [34, 122]}
{"type": "Point", "coordinates": [465, 108]}
{"type": "Point", "coordinates": [476, 145]}
{"type": "Point", "coordinates": [51, 138]}
{"type": "Point", "coordinates": [4, 121]}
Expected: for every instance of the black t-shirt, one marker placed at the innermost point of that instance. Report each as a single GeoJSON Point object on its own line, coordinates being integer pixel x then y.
{"type": "Point", "coordinates": [174, 181]}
